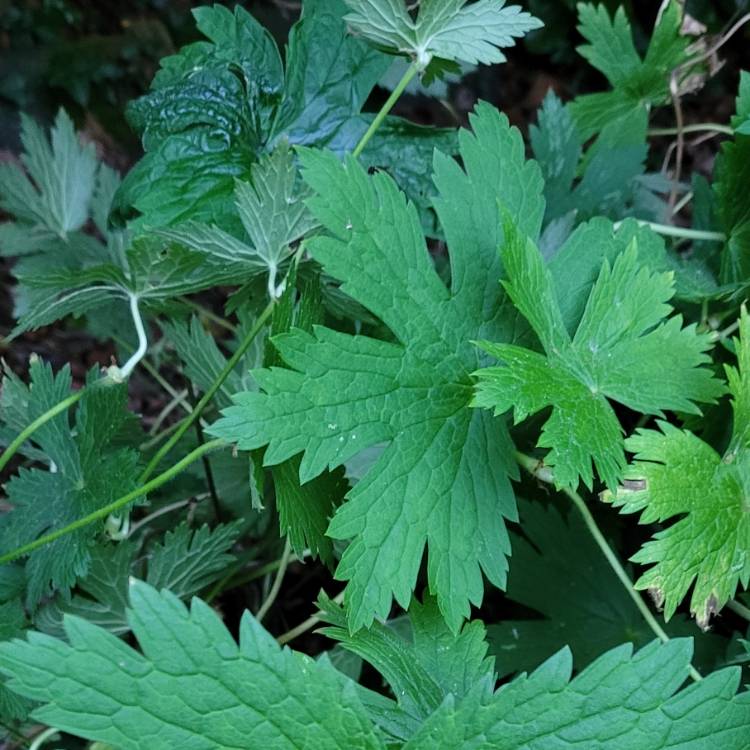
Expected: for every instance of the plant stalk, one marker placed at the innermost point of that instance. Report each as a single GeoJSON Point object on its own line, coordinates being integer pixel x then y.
{"type": "Point", "coordinates": [140, 330]}
{"type": "Point", "coordinates": [115, 505]}
{"type": "Point", "coordinates": [41, 420]}
{"type": "Point", "coordinates": [541, 472]}
{"type": "Point", "coordinates": [406, 79]}
{"type": "Point", "coordinates": [739, 609]}
{"type": "Point", "coordinates": [305, 625]}
{"type": "Point", "coordinates": [702, 127]}
{"type": "Point", "coordinates": [667, 230]}
{"type": "Point", "coordinates": [277, 581]}
{"type": "Point", "coordinates": [210, 393]}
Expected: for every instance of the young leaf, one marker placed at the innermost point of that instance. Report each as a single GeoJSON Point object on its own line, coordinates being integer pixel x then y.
{"type": "Point", "coordinates": [272, 210]}
{"type": "Point", "coordinates": [623, 701]}
{"type": "Point", "coordinates": [63, 174]}
{"type": "Point", "coordinates": [624, 349]}
{"type": "Point", "coordinates": [677, 474]}
{"type": "Point", "coordinates": [443, 479]}
{"type": "Point", "coordinates": [447, 29]}
{"type": "Point", "coordinates": [207, 692]}
{"type": "Point", "coordinates": [89, 470]}
{"type": "Point", "coordinates": [638, 83]}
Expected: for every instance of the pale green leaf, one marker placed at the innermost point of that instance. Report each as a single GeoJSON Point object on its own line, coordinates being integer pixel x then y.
{"type": "Point", "coordinates": [62, 174]}
{"type": "Point", "coordinates": [188, 560]}
{"type": "Point", "coordinates": [448, 29]}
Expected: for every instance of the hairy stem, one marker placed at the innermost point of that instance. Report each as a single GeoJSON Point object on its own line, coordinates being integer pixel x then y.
{"type": "Point", "coordinates": [668, 230]}
{"type": "Point", "coordinates": [204, 312]}
{"type": "Point", "coordinates": [115, 505]}
{"type": "Point", "coordinates": [702, 127]}
{"type": "Point", "coordinates": [42, 419]}
{"type": "Point", "coordinates": [210, 393]}
{"type": "Point", "coordinates": [41, 738]}
{"type": "Point", "coordinates": [305, 625]}
{"type": "Point", "coordinates": [411, 71]}
{"type": "Point", "coordinates": [543, 473]}
{"type": "Point", "coordinates": [739, 609]}
{"type": "Point", "coordinates": [277, 581]}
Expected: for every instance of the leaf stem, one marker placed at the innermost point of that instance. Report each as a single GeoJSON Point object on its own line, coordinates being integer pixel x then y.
{"type": "Point", "coordinates": [668, 230]}
{"type": "Point", "coordinates": [210, 393]}
{"type": "Point", "coordinates": [208, 314]}
{"type": "Point", "coordinates": [543, 473]}
{"type": "Point", "coordinates": [116, 505]}
{"type": "Point", "coordinates": [702, 127]}
{"type": "Point", "coordinates": [41, 420]}
{"type": "Point", "coordinates": [41, 738]}
{"type": "Point", "coordinates": [411, 71]}
{"type": "Point", "coordinates": [739, 609]}
{"type": "Point", "coordinates": [140, 330]}
{"type": "Point", "coordinates": [305, 625]}
{"type": "Point", "coordinates": [277, 581]}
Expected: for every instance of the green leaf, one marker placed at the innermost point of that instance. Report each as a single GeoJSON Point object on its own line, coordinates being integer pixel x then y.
{"type": "Point", "coordinates": [611, 174]}
{"type": "Point", "coordinates": [623, 701]}
{"type": "Point", "coordinates": [194, 152]}
{"type": "Point", "coordinates": [638, 84]}
{"type": "Point", "coordinates": [102, 594]}
{"type": "Point", "coordinates": [203, 361]}
{"type": "Point", "coordinates": [272, 210]}
{"type": "Point", "coordinates": [620, 351]}
{"type": "Point", "coordinates": [188, 560]}
{"type": "Point", "coordinates": [345, 393]}
{"type": "Point", "coordinates": [207, 114]}
{"type": "Point", "coordinates": [57, 192]}
{"type": "Point", "coordinates": [13, 624]}
{"type": "Point", "coordinates": [731, 177]}
{"type": "Point", "coordinates": [184, 561]}
{"type": "Point", "coordinates": [424, 668]}
{"type": "Point", "coordinates": [329, 76]}
{"type": "Point", "coordinates": [676, 474]}
{"type": "Point", "coordinates": [447, 29]}
{"type": "Point", "coordinates": [89, 471]}
{"type": "Point", "coordinates": [208, 692]}
{"type": "Point", "coordinates": [559, 572]}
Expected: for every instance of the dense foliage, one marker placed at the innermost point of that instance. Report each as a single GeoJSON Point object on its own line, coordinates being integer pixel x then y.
{"type": "Point", "coordinates": [445, 357]}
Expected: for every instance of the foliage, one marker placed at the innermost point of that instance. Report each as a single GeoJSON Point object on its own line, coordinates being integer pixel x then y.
{"type": "Point", "coordinates": [675, 474]}
{"type": "Point", "coordinates": [439, 350]}
{"type": "Point", "coordinates": [282, 699]}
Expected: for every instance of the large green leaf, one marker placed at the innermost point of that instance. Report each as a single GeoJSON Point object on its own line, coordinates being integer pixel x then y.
{"type": "Point", "coordinates": [444, 461]}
